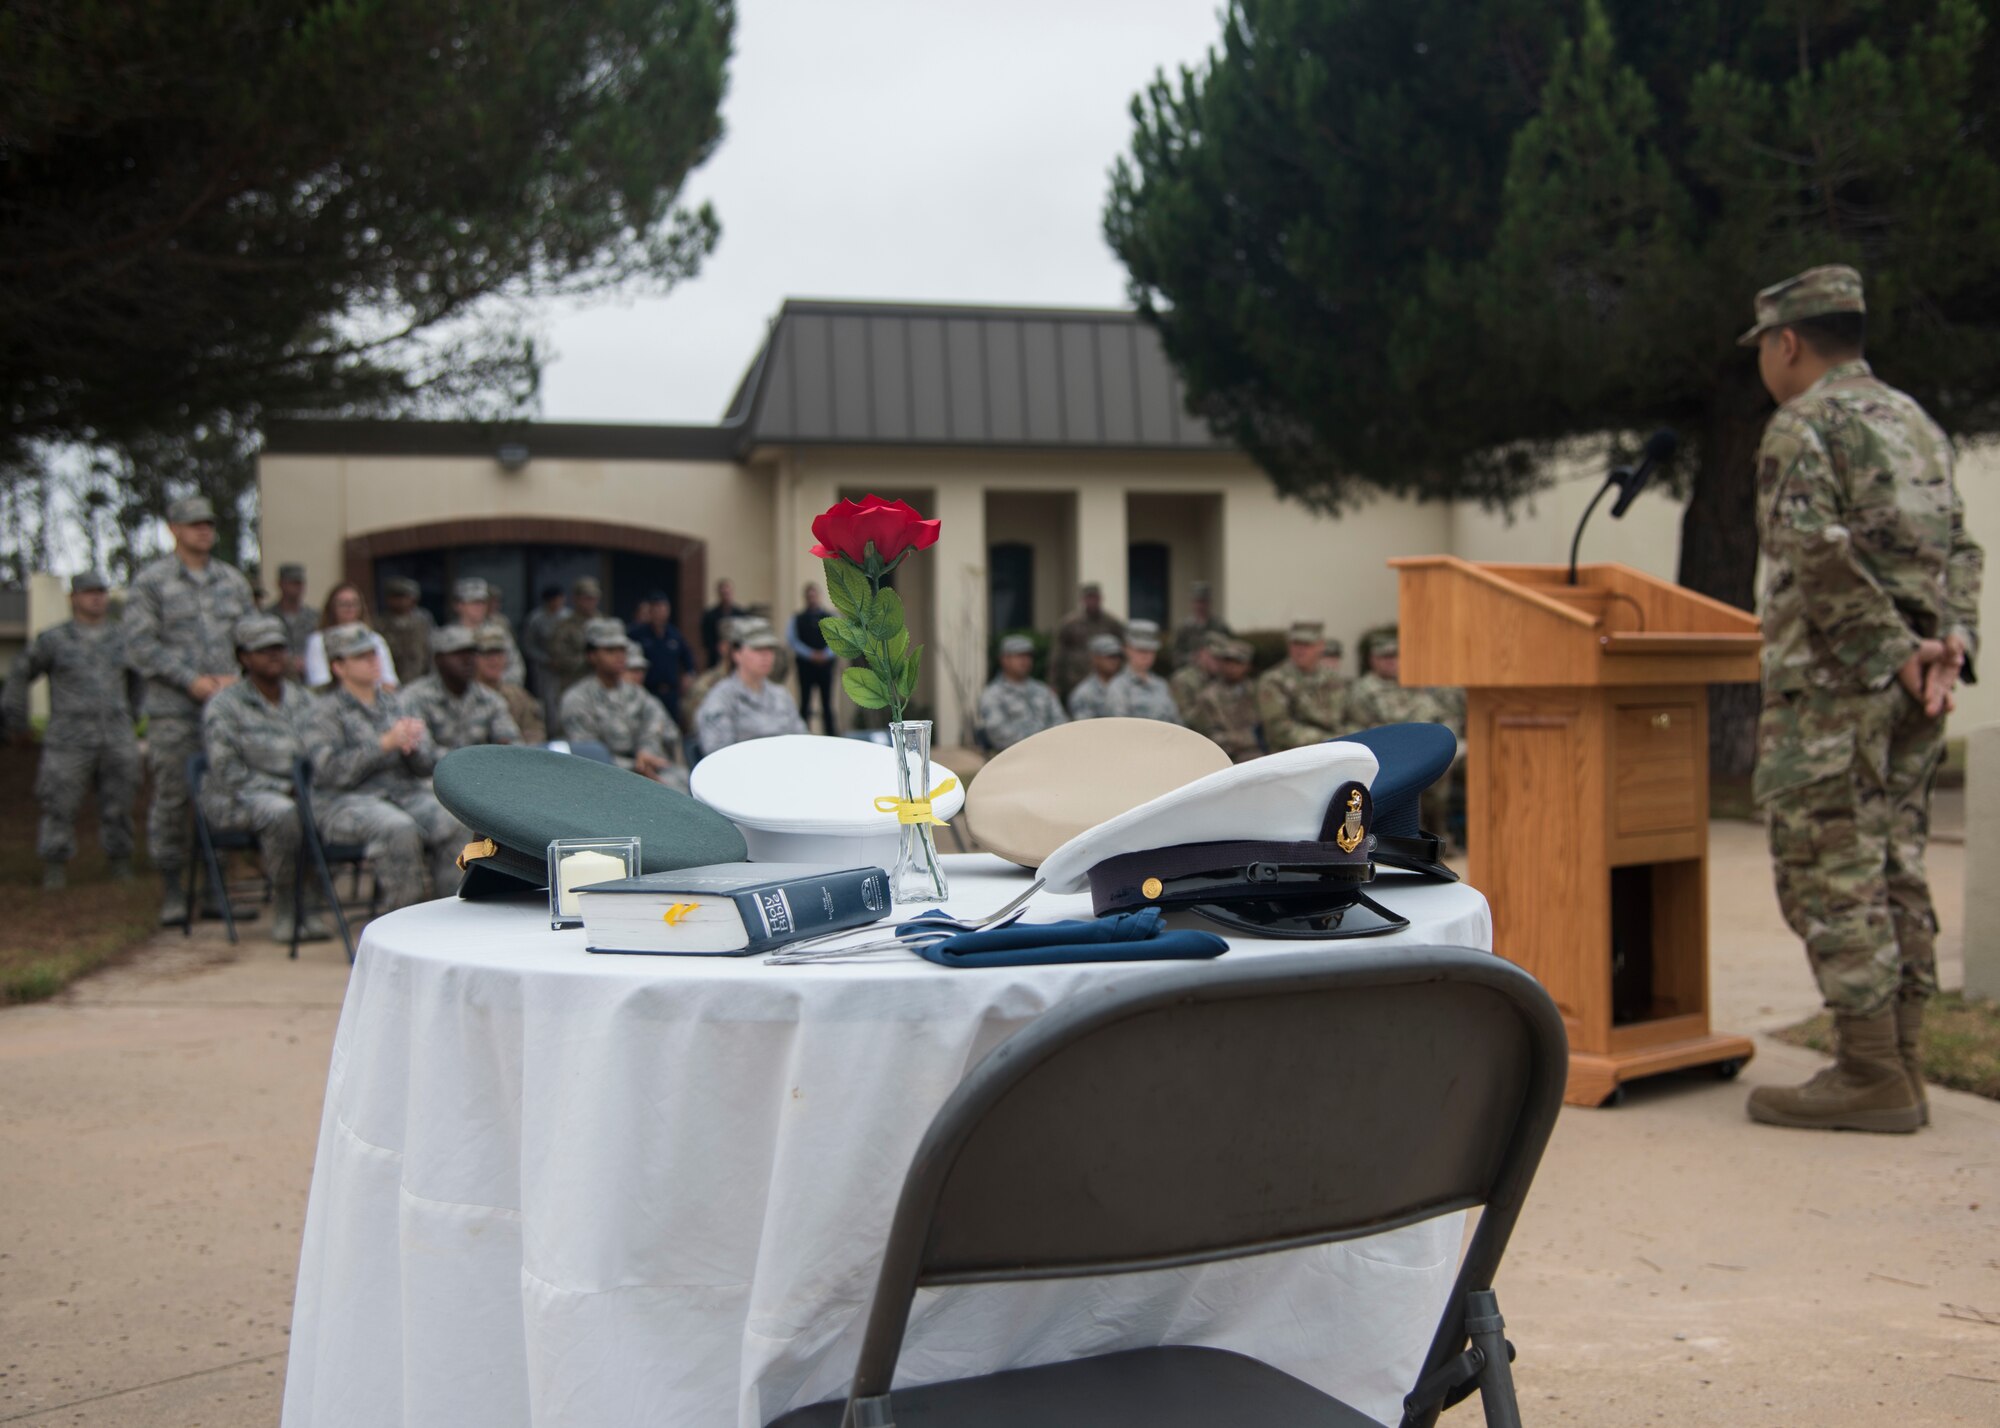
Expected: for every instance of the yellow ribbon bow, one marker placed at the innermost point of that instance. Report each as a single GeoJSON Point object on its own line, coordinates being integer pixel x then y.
{"type": "Point", "coordinates": [917, 810]}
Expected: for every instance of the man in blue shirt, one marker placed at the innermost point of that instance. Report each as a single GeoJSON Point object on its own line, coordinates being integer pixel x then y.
{"type": "Point", "coordinates": [670, 662]}
{"type": "Point", "coordinates": [816, 661]}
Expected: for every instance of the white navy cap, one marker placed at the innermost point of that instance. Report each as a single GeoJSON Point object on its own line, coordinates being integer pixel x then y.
{"type": "Point", "coordinates": [801, 798]}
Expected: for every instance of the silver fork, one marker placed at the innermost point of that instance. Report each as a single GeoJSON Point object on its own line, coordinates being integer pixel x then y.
{"type": "Point", "coordinates": [942, 926]}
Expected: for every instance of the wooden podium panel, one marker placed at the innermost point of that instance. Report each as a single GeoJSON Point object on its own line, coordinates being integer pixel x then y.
{"type": "Point", "coordinates": [1587, 791]}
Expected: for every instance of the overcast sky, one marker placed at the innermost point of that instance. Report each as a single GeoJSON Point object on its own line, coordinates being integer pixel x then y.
{"type": "Point", "coordinates": [929, 150]}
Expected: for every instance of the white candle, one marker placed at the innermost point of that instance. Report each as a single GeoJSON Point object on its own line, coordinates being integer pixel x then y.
{"type": "Point", "coordinates": [580, 869]}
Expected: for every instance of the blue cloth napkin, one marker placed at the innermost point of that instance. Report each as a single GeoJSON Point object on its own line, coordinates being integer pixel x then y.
{"type": "Point", "coordinates": [1128, 937]}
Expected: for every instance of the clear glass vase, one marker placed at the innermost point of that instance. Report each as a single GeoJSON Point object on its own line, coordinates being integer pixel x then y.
{"type": "Point", "coordinates": [918, 876]}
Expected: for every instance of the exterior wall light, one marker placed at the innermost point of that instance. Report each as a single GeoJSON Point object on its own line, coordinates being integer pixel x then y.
{"type": "Point", "coordinates": [512, 456]}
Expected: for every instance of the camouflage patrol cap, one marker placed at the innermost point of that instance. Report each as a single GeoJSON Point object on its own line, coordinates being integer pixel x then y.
{"type": "Point", "coordinates": [1107, 645]}
{"type": "Point", "coordinates": [1017, 645]}
{"type": "Point", "coordinates": [490, 639]}
{"type": "Point", "coordinates": [402, 585]}
{"type": "Point", "coordinates": [89, 580]}
{"type": "Point", "coordinates": [291, 570]}
{"type": "Point", "coordinates": [452, 639]}
{"type": "Point", "coordinates": [1817, 292]}
{"type": "Point", "coordinates": [191, 511]}
{"type": "Point", "coordinates": [585, 585]}
{"type": "Point", "coordinates": [1090, 587]}
{"type": "Point", "coordinates": [1198, 590]}
{"type": "Point", "coordinates": [344, 641]}
{"type": "Point", "coordinates": [603, 635]}
{"type": "Point", "coordinates": [260, 632]}
{"type": "Point", "coordinates": [1306, 632]}
{"type": "Point", "coordinates": [754, 634]}
{"type": "Point", "coordinates": [1382, 641]}
{"type": "Point", "coordinates": [1238, 651]}
{"type": "Point", "coordinates": [470, 588]}
{"type": "Point", "coordinates": [1142, 635]}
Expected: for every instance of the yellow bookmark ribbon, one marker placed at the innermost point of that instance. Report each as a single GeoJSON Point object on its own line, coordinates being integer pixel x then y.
{"type": "Point", "coordinates": [917, 810]}
{"type": "Point", "coordinates": [673, 915]}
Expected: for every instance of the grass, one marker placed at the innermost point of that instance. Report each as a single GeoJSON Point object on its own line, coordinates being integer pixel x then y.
{"type": "Point", "coordinates": [1961, 1045]}
{"type": "Point", "coordinates": [48, 940]}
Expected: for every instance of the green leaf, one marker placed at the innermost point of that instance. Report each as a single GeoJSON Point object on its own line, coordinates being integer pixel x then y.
{"type": "Point", "coordinates": [907, 683]}
{"type": "Point", "coordinates": [847, 587]}
{"type": "Point", "coordinates": [899, 645]}
{"type": "Point", "coordinates": [865, 688]}
{"type": "Point", "coordinates": [843, 637]}
{"type": "Point", "coordinates": [885, 618]}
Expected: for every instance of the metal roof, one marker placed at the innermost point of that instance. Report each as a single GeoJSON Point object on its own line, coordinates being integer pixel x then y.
{"type": "Point", "coordinates": [932, 375]}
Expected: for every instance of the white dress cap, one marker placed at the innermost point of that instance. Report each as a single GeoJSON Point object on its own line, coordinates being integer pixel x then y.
{"type": "Point", "coordinates": [809, 798]}
{"type": "Point", "coordinates": [1280, 798]}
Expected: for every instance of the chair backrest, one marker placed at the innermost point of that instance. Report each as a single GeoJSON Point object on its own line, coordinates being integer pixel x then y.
{"type": "Point", "coordinates": [1224, 1110]}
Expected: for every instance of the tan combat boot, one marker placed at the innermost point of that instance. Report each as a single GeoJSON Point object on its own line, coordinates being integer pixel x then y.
{"type": "Point", "coordinates": [1865, 1089]}
{"type": "Point", "coordinates": [1909, 1031]}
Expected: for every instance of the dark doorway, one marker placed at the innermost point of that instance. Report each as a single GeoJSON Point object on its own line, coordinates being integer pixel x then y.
{"type": "Point", "coordinates": [1010, 587]}
{"type": "Point", "coordinates": [1147, 584]}
{"type": "Point", "coordinates": [521, 570]}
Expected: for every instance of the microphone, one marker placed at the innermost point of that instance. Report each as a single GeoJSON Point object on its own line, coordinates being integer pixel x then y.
{"type": "Point", "coordinates": [1630, 481]}
{"type": "Point", "coordinates": [1660, 449]}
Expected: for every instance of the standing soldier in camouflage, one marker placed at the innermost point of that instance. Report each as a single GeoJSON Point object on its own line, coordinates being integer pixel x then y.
{"type": "Point", "coordinates": [298, 618]}
{"type": "Point", "coordinates": [1226, 708]}
{"type": "Point", "coordinates": [569, 654]}
{"type": "Point", "coordinates": [535, 632]}
{"type": "Point", "coordinates": [1870, 607]}
{"type": "Point", "coordinates": [1137, 692]}
{"type": "Point", "coordinates": [1191, 678]}
{"type": "Point", "coordinates": [1013, 705]}
{"type": "Point", "coordinates": [1201, 626]}
{"type": "Point", "coordinates": [1299, 700]}
{"type": "Point", "coordinates": [457, 709]}
{"type": "Point", "coordinates": [1090, 697]}
{"type": "Point", "coordinates": [253, 732]}
{"type": "Point", "coordinates": [1070, 660]}
{"type": "Point", "coordinates": [406, 628]}
{"type": "Point", "coordinates": [523, 708]}
{"type": "Point", "coordinates": [748, 704]}
{"type": "Point", "coordinates": [180, 623]}
{"type": "Point", "coordinates": [476, 605]}
{"type": "Point", "coordinates": [372, 759]}
{"type": "Point", "coordinates": [93, 702]}
{"type": "Point", "coordinates": [620, 715]}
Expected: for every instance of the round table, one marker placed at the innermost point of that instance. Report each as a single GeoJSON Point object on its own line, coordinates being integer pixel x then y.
{"type": "Point", "coordinates": [559, 1189]}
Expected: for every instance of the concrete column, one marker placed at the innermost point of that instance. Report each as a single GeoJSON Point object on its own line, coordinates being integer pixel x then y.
{"type": "Point", "coordinates": [1982, 861]}
{"type": "Point", "coordinates": [955, 659]}
{"type": "Point", "coordinates": [1101, 542]}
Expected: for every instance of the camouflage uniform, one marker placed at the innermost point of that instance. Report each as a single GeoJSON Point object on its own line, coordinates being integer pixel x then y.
{"type": "Point", "coordinates": [1069, 661]}
{"type": "Point", "coordinates": [526, 712]}
{"type": "Point", "coordinates": [179, 625]}
{"type": "Point", "coordinates": [624, 718]}
{"type": "Point", "coordinates": [408, 637]}
{"type": "Point", "coordinates": [252, 745]}
{"type": "Point", "coordinates": [1187, 682]}
{"type": "Point", "coordinates": [496, 628]}
{"type": "Point", "coordinates": [1370, 701]}
{"type": "Point", "coordinates": [1227, 713]}
{"type": "Point", "coordinates": [89, 743]}
{"type": "Point", "coordinates": [1010, 711]}
{"type": "Point", "coordinates": [299, 626]}
{"type": "Point", "coordinates": [1865, 552]}
{"type": "Point", "coordinates": [568, 663]}
{"type": "Point", "coordinates": [731, 713]}
{"type": "Point", "coordinates": [699, 690]}
{"type": "Point", "coordinates": [1142, 696]}
{"type": "Point", "coordinates": [1298, 708]}
{"type": "Point", "coordinates": [535, 632]}
{"type": "Point", "coordinates": [1191, 635]}
{"type": "Point", "coordinates": [478, 716]}
{"type": "Point", "coordinates": [1091, 697]}
{"type": "Point", "coordinates": [383, 799]}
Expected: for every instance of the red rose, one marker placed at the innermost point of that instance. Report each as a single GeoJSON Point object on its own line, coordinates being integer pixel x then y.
{"type": "Point", "coordinates": [892, 527]}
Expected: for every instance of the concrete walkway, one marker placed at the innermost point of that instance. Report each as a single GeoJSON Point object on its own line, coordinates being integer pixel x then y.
{"type": "Point", "coordinates": [1676, 1265]}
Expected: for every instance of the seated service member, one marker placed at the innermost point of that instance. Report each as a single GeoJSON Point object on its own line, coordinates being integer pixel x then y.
{"type": "Point", "coordinates": [623, 717]}
{"type": "Point", "coordinates": [490, 665]}
{"type": "Point", "coordinates": [93, 704]}
{"type": "Point", "coordinates": [1299, 700]}
{"type": "Point", "coordinates": [1013, 705]}
{"type": "Point", "coordinates": [253, 732]}
{"type": "Point", "coordinates": [458, 709]}
{"type": "Point", "coordinates": [476, 605]}
{"type": "Point", "coordinates": [1137, 692]}
{"type": "Point", "coordinates": [1190, 679]}
{"type": "Point", "coordinates": [372, 761]}
{"type": "Point", "coordinates": [748, 704]}
{"type": "Point", "coordinates": [1091, 696]}
{"type": "Point", "coordinates": [1226, 708]}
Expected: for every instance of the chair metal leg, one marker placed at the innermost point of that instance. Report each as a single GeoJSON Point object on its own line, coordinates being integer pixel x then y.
{"type": "Point", "coordinates": [298, 903]}
{"type": "Point", "coordinates": [188, 901]}
{"type": "Point", "coordinates": [327, 886]}
{"type": "Point", "coordinates": [1486, 1329]}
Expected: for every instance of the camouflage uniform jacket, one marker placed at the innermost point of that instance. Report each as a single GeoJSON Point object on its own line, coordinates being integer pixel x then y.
{"type": "Point", "coordinates": [624, 718]}
{"type": "Point", "coordinates": [93, 695]}
{"type": "Point", "coordinates": [1010, 712]}
{"type": "Point", "coordinates": [517, 669]}
{"type": "Point", "coordinates": [526, 712]}
{"type": "Point", "coordinates": [568, 655]}
{"type": "Point", "coordinates": [1227, 713]}
{"type": "Point", "coordinates": [478, 716]}
{"type": "Point", "coordinates": [408, 637]}
{"type": "Point", "coordinates": [1863, 535]}
{"type": "Point", "coordinates": [1299, 708]}
{"type": "Point", "coordinates": [1372, 701]}
{"type": "Point", "coordinates": [731, 713]}
{"type": "Point", "coordinates": [180, 624]}
{"type": "Point", "coordinates": [1142, 696]}
{"type": "Point", "coordinates": [1091, 697]}
{"type": "Point", "coordinates": [252, 743]}
{"type": "Point", "coordinates": [299, 625]}
{"type": "Point", "coordinates": [698, 692]}
{"type": "Point", "coordinates": [1069, 661]}
{"type": "Point", "coordinates": [1191, 635]}
{"type": "Point", "coordinates": [535, 631]}
{"type": "Point", "coordinates": [1187, 682]}
{"type": "Point", "coordinates": [347, 753]}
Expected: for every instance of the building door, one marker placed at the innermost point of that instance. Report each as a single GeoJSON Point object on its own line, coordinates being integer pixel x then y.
{"type": "Point", "coordinates": [1148, 587]}
{"type": "Point", "coordinates": [1010, 587]}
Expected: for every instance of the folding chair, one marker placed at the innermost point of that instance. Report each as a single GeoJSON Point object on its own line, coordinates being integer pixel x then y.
{"type": "Point", "coordinates": [323, 854]}
{"type": "Point", "coordinates": [210, 843]}
{"type": "Point", "coordinates": [1208, 1113]}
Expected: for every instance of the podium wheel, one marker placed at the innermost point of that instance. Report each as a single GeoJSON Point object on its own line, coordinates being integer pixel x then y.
{"type": "Point", "coordinates": [1616, 1099]}
{"type": "Point", "coordinates": [1727, 1069]}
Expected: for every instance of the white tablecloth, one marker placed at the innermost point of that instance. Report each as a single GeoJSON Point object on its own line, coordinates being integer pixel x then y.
{"type": "Point", "coordinates": [568, 1190]}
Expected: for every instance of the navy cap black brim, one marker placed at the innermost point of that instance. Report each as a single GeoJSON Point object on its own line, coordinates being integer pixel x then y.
{"type": "Point", "coordinates": [1411, 757]}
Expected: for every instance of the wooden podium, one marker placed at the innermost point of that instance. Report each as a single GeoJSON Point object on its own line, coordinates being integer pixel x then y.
{"type": "Point", "coordinates": [1587, 791]}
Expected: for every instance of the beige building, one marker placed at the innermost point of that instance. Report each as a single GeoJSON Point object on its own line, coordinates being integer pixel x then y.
{"type": "Point", "coordinates": [1053, 445]}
